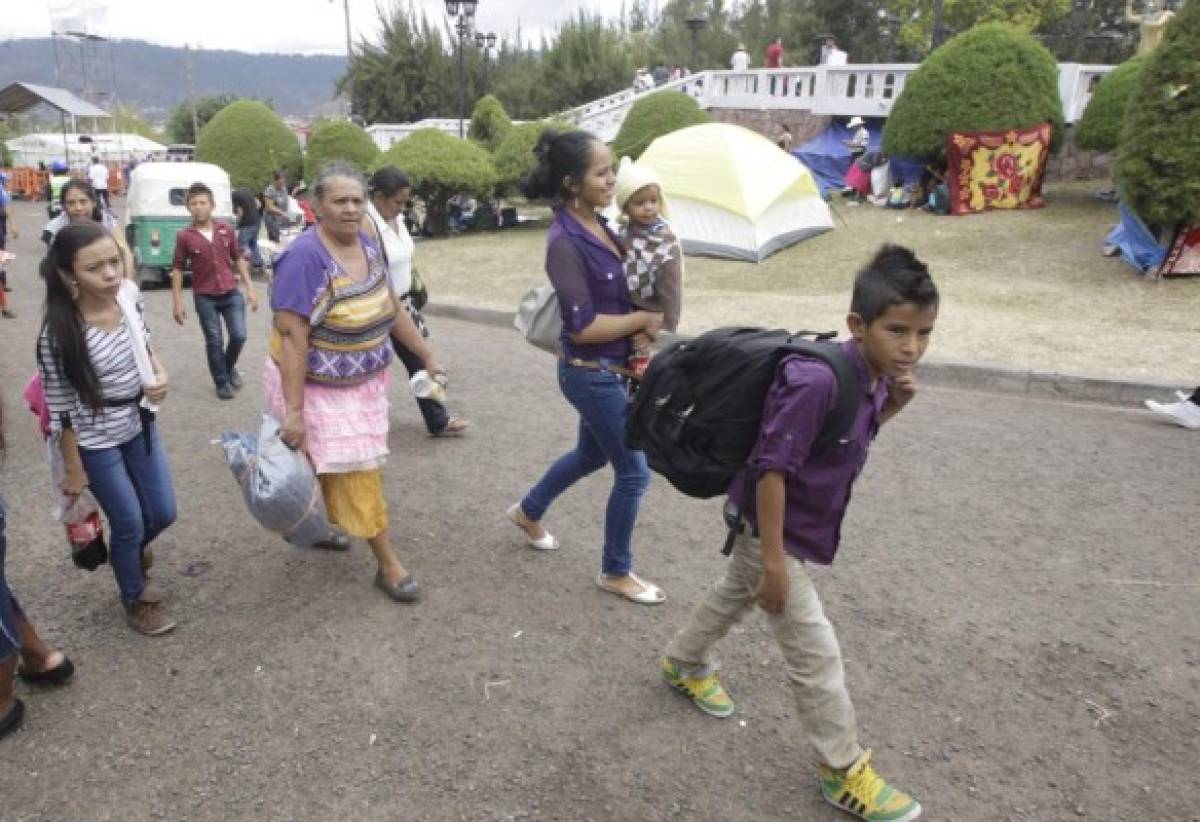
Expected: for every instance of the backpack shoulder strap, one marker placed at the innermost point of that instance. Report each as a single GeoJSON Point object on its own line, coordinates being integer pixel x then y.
{"type": "Point", "coordinates": [841, 416]}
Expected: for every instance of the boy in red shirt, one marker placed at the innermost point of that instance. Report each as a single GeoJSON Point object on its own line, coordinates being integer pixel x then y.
{"type": "Point", "coordinates": [211, 248]}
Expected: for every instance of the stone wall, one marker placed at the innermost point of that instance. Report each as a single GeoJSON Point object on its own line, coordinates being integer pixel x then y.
{"type": "Point", "coordinates": [804, 125]}
{"type": "Point", "coordinates": [1074, 163]}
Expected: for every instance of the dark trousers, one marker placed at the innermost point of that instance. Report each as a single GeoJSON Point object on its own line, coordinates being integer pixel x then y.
{"type": "Point", "coordinates": [210, 309]}
{"type": "Point", "coordinates": [435, 414]}
{"type": "Point", "coordinates": [272, 222]}
{"type": "Point", "coordinates": [1195, 398]}
{"type": "Point", "coordinates": [10, 609]}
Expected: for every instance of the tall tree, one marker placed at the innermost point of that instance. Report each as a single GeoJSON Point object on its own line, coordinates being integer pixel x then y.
{"type": "Point", "coordinates": [406, 74]}
{"type": "Point", "coordinates": [916, 16]}
{"type": "Point", "coordinates": [179, 124]}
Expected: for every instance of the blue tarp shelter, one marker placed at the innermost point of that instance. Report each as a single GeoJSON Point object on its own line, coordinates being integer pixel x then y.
{"type": "Point", "coordinates": [827, 157]}
{"type": "Point", "coordinates": [1135, 242]}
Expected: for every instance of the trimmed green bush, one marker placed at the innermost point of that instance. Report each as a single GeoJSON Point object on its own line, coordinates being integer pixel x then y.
{"type": "Point", "coordinates": [1159, 159]}
{"type": "Point", "coordinates": [249, 141]}
{"type": "Point", "coordinates": [441, 166]}
{"type": "Point", "coordinates": [990, 78]}
{"type": "Point", "coordinates": [653, 116]}
{"type": "Point", "coordinates": [338, 140]}
{"type": "Point", "coordinates": [489, 123]}
{"type": "Point", "coordinates": [514, 156]}
{"type": "Point", "coordinates": [1099, 128]}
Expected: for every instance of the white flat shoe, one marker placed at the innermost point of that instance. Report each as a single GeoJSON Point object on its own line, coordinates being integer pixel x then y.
{"type": "Point", "coordinates": [546, 542]}
{"type": "Point", "coordinates": [650, 594]}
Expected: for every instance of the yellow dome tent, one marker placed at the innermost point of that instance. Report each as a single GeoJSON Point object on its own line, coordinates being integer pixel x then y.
{"type": "Point", "coordinates": [735, 194]}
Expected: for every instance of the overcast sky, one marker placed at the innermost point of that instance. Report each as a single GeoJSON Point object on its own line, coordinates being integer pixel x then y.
{"type": "Point", "coordinates": [289, 26]}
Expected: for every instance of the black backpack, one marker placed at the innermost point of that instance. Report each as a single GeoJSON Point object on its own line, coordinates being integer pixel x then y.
{"type": "Point", "coordinates": [698, 409]}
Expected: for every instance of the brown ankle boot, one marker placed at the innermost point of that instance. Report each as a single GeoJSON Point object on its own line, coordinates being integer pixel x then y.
{"type": "Point", "coordinates": [148, 616]}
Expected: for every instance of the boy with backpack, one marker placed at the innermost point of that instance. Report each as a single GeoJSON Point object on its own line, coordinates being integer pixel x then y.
{"type": "Point", "coordinates": [790, 499]}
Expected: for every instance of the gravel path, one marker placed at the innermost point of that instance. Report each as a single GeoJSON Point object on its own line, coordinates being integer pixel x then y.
{"type": "Point", "coordinates": [1016, 597]}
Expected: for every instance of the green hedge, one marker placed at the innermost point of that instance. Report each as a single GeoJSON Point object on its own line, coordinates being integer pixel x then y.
{"type": "Point", "coordinates": [1159, 154]}
{"type": "Point", "coordinates": [489, 123]}
{"type": "Point", "coordinates": [441, 166]}
{"type": "Point", "coordinates": [514, 156]}
{"type": "Point", "coordinates": [338, 140]}
{"type": "Point", "coordinates": [653, 116]}
{"type": "Point", "coordinates": [989, 78]}
{"type": "Point", "coordinates": [1099, 128]}
{"type": "Point", "coordinates": [249, 141]}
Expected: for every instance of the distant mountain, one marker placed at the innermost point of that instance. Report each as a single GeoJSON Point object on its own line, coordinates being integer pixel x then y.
{"type": "Point", "coordinates": [154, 77]}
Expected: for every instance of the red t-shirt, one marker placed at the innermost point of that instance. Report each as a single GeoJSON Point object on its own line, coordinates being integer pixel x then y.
{"type": "Point", "coordinates": [212, 261]}
{"type": "Point", "coordinates": [775, 55]}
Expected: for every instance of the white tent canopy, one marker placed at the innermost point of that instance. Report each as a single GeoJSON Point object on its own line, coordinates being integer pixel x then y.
{"type": "Point", "coordinates": [30, 149]}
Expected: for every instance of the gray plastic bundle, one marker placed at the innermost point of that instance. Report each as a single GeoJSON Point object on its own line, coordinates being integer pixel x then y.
{"type": "Point", "coordinates": [278, 484]}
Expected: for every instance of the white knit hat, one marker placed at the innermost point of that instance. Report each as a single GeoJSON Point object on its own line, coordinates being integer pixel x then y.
{"type": "Point", "coordinates": [633, 177]}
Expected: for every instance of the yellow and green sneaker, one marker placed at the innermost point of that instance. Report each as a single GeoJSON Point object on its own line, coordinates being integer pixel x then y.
{"type": "Point", "coordinates": [861, 791]}
{"type": "Point", "coordinates": [705, 691]}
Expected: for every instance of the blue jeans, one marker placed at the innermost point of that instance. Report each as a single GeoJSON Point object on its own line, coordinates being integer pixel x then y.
{"type": "Point", "coordinates": [10, 609]}
{"type": "Point", "coordinates": [132, 483]}
{"type": "Point", "coordinates": [599, 397]}
{"type": "Point", "coordinates": [211, 310]}
{"type": "Point", "coordinates": [248, 241]}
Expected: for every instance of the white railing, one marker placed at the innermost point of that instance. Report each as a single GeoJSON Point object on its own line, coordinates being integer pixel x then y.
{"type": "Point", "coordinates": [387, 135]}
{"type": "Point", "coordinates": [866, 90]}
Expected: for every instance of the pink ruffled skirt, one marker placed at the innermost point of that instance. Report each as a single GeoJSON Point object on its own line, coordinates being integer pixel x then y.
{"type": "Point", "coordinates": [345, 428]}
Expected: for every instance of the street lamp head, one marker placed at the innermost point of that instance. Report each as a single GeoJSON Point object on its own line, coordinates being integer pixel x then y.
{"type": "Point", "coordinates": [452, 7]}
{"type": "Point", "coordinates": [468, 7]}
{"type": "Point", "coordinates": [491, 40]}
{"type": "Point", "coordinates": [480, 39]}
{"type": "Point", "coordinates": [696, 23]}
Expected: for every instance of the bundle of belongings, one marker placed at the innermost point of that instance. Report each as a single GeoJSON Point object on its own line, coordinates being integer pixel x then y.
{"type": "Point", "coordinates": [279, 486]}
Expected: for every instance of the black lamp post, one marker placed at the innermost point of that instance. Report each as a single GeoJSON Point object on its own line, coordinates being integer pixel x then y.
{"type": "Point", "coordinates": [463, 14]}
{"type": "Point", "coordinates": [939, 33]}
{"type": "Point", "coordinates": [696, 25]}
{"type": "Point", "coordinates": [486, 43]}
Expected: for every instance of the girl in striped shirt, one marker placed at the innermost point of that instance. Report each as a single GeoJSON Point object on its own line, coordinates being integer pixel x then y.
{"type": "Point", "coordinates": [88, 358]}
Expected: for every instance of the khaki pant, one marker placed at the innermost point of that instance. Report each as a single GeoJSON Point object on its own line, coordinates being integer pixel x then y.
{"type": "Point", "coordinates": [810, 649]}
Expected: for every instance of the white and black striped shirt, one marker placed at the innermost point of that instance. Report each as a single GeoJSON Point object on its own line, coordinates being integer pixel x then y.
{"type": "Point", "coordinates": [111, 353]}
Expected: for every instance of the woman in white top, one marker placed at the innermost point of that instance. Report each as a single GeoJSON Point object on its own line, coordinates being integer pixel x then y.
{"type": "Point", "coordinates": [102, 379]}
{"type": "Point", "coordinates": [389, 190]}
{"type": "Point", "coordinates": [79, 203]}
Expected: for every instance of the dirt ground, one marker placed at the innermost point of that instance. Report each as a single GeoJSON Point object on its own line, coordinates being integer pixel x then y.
{"type": "Point", "coordinates": [1025, 289]}
{"type": "Point", "coordinates": [1016, 597]}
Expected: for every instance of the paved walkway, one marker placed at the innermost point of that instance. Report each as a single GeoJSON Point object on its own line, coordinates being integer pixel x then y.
{"type": "Point", "coordinates": [1016, 597]}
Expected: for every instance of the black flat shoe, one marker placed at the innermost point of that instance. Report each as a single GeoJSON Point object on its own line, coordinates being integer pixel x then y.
{"type": "Point", "coordinates": [337, 542]}
{"type": "Point", "coordinates": [58, 675]}
{"type": "Point", "coordinates": [406, 590]}
{"type": "Point", "coordinates": [12, 720]}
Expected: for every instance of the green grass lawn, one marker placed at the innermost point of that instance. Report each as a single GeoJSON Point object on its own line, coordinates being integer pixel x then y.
{"type": "Point", "coordinates": [1027, 289]}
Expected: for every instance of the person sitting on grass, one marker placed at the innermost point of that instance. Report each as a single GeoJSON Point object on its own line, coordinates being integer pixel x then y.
{"type": "Point", "coordinates": [794, 502]}
{"type": "Point", "coordinates": [653, 258]}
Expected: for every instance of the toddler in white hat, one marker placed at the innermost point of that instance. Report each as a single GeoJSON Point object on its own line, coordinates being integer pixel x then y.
{"type": "Point", "coordinates": [653, 258]}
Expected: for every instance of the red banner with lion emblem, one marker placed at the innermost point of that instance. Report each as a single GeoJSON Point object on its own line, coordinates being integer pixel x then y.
{"type": "Point", "coordinates": [997, 169]}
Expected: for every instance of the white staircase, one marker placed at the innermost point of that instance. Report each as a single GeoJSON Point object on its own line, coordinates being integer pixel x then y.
{"type": "Point", "coordinates": [867, 90]}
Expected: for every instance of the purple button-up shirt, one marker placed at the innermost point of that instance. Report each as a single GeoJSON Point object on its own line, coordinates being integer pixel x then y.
{"type": "Point", "coordinates": [818, 485]}
{"type": "Point", "coordinates": [589, 280]}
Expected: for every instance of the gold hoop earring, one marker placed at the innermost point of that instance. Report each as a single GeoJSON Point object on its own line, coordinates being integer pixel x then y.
{"type": "Point", "coordinates": [73, 287]}
{"type": "Point", "coordinates": [577, 203]}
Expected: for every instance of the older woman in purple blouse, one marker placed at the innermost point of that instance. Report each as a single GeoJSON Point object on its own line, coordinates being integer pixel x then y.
{"type": "Point", "coordinates": [584, 260]}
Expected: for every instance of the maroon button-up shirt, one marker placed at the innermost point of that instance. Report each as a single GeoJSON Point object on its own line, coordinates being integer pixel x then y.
{"type": "Point", "coordinates": [818, 485]}
{"type": "Point", "coordinates": [213, 262]}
